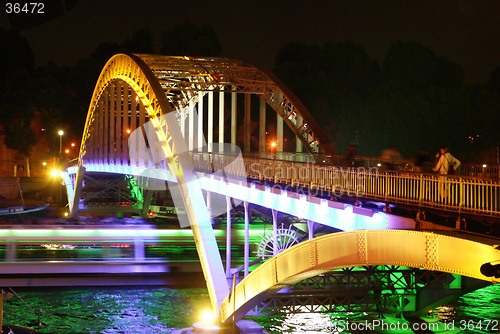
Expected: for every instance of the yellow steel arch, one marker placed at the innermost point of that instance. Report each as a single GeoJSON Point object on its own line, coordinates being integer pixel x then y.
{"type": "Point", "coordinates": [178, 79]}
{"type": "Point", "coordinates": [133, 71]}
{"type": "Point", "coordinates": [360, 248]}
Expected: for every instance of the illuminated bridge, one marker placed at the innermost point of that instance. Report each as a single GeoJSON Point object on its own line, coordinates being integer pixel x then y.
{"type": "Point", "coordinates": [159, 125]}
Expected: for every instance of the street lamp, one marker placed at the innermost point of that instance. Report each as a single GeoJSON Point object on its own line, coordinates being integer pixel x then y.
{"type": "Point", "coordinates": [273, 148]}
{"type": "Point", "coordinates": [60, 133]}
{"type": "Point", "coordinates": [273, 145]}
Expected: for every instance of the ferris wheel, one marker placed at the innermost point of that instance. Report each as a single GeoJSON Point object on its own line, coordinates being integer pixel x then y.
{"type": "Point", "coordinates": [285, 238]}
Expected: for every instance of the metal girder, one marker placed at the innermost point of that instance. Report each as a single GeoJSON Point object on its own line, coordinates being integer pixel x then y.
{"type": "Point", "coordinates": [104, 193]}
{"type": "Point", "coordinates": [351, 289]}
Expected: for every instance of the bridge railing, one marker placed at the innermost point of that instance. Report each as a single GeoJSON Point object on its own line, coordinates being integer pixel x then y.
{"type": "Point", "coordinates": [490, 170]}
{"type": "Point", "coordinates": [457, 193]}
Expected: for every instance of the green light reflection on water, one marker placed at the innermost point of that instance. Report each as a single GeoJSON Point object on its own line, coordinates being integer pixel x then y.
{"type": "Point", "coordinates": [162, 310]}
{"type": "Point", "coordinates": [477, 306]}
{"type": "Point", "coordinates": [107, 310]}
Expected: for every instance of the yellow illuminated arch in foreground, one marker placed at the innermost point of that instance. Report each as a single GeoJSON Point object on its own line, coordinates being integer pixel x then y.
{"type": "Point", "coordinates": [360, 248]}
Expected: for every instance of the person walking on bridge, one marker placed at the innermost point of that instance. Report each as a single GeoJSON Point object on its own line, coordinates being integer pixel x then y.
{"type": "Point", "coordinates": [446, 164]}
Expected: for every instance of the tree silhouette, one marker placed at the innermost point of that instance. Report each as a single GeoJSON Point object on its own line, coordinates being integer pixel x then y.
{"type": "Point", "coordinates": [494, 81]}
{"type": "Point", "coordinates": [190, 39]}
{"type": "Point", "coordinates": [16, 91]}
{"type": "Point", "coordinates": [140, 42]}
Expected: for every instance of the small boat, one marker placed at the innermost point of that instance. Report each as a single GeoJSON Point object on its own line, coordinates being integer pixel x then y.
{"type": "Point", "coordinates": [21, 209]}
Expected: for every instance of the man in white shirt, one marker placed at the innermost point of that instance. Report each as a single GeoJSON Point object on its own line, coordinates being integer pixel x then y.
{"type": "Point", "coordinates": [447, 163]}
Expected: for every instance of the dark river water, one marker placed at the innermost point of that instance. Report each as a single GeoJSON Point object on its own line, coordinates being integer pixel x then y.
{"type": "Point", "coordinates": [163, 310]}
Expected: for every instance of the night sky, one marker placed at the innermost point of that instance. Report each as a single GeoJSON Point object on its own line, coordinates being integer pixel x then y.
{"type": "Point", "coordinates": [465, 32]}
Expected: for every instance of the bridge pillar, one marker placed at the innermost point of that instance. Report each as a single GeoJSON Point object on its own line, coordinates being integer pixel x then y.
{"type": "Point", "coordinates": [183, 124]}
{"type": "Point", "coordinates": [246, 256]}
{"type": "Point", "coordinates": [110, 129]}
{"type": "Point", "coordinates": [221, 115]}
{"type": "Point", "coordinates": [262, 126]}
{"type": "Point", "coordinates": [279, 133]}
{"type": "Point", "coordinates": [200, 121]}
{"type": "Point", "coordinates": [99, 154]}
{"type": "Point", "coordinates": [74, 202]}
{"type": "Point", "coordinates": [246, 124]}
{"type": "Point", "coordinates": [127, 110]}
{"type": "Point", "coordinates": [191, 135]}
{"type": "Point", "coordinates": [228, 237]}
{"type": "Point", "coordinates": [298, 142]}
{"type": "Point", "coordinates": [275, 231]}
{"type": "Point", "coordinates": [233, 117]}
{"type": "Point", "coordinates": [209, 206]}
{"type": "Point", "coordinates": [118, 134]}
{"type": "Point", "coordinates": [310, 228]}
{"type": "Point", "coordinates": [210, 127]}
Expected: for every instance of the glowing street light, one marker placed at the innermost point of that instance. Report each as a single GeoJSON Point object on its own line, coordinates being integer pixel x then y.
{"type": "Point", "coordinates": [60, 133]}
{"type": "Point", "coordinates": [55, 173]}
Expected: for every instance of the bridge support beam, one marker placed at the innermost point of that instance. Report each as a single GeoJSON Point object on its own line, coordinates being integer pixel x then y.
{"type": "Point", "coordinates": [209, 206]}
{"type": "Point", "coordinates": [275, 231]}
{"type": "Point", "coordinates": [279, 134]}
{"type": "Point", "coordinates": [246, 255]}
{"type": "Point", "coordinates": [191, 134]}
{"type": "Point", "coordinates": [262, 126]}
{"type": "Point", "coordinates": [310, 228]}
{"type": "Point", "coordinates": [210, 127]}
{"type": "Point", "coordinates": [228, 237]}
{"type": "Point", "coordinates": [200, 121]}
{"type": "Point", "coordinates": [298, 142]}
{"type": "Point", "coordinates": [77, 191]}
{"type": "Point", "coordinates": [246, 124]}
{"type": "Point", "coordinates": [233, 117]}
{"type": "Point", "coordinates": [221, 115]}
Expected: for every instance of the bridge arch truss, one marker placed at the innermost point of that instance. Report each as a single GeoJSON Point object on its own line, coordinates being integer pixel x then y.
{"type": "Point", "coordinates": [134, 89]}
